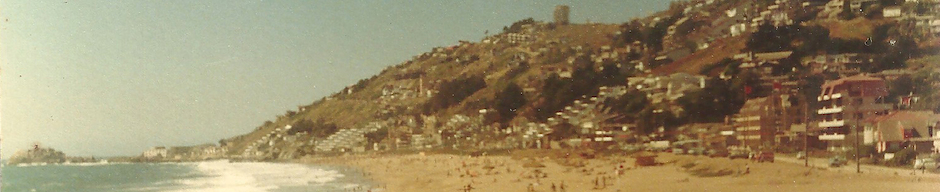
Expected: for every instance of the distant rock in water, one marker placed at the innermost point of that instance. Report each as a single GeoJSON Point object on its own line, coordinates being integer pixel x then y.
{"type": "Point", "coordinates": [44, 155]}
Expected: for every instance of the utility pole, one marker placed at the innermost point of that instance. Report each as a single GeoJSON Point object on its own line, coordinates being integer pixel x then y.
{"type": "Point", "coordinates": [805, 131]}
{"type": "Point", "coordinates": [858, 164]}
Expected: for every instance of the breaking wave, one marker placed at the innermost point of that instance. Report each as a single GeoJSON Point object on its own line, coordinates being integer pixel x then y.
{"type": "Point", "coordinates": [253, 176]}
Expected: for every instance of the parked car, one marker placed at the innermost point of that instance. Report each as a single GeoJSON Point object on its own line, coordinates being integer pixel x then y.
{"type": "Point", "coordinates": [696, 151]}
{"type": "Point", "coordinates": [738, 155]}
{"type": "Point", "coordinates": [717, 153]}
{"type": "Point", "coordinates": [765, 156]}
{"type": "Point", "coordinates": [801, 155]}
{"type": "Point", "coordinates": [926, 163]}
{"type": "Point", "coordinates": [837, 161]}
{"type": "Point", "coordinates": [678, 151]}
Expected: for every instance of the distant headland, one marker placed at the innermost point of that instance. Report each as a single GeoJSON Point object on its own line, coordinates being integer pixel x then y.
{"type": "Point", "coordinates": [40, 155]}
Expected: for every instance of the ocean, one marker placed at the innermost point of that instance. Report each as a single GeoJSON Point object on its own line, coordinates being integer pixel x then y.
{"type": "Point", "coordinates": [197, 176]}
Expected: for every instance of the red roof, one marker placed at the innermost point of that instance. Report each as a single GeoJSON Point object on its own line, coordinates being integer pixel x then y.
{"type": "Point", "coordinates": [904, 116]}
{"type": "Point", "coordinates": [855, 78]}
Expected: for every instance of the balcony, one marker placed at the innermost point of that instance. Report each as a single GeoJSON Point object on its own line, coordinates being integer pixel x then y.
{"type": "Point", "coordinates": [829, 110]}
{"type": "Point", "coordinates": [835, 123]}
{"type": "Point", "coordinates": [828, 97]}
{"type": "Point", "coordinates": [836, 96]}
{"type": "Point", "coordinates": [834, 137]}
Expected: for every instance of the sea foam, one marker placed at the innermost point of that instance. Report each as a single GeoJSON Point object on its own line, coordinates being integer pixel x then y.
{"type": "Point", "coordinates": [252, 176]}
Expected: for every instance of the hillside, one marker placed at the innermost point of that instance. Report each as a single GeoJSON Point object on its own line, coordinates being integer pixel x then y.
{"type": "Point", "coordinates": [533, 77]}
{"type": "Point", "coordinates": [406, 86]}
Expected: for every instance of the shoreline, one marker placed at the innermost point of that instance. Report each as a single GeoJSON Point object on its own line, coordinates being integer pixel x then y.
{"type": "Point", "coordinates": [447, 172]}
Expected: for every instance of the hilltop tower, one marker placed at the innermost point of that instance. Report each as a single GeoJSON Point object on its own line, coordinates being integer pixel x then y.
{"type": "Point", "coordinates": [561, 14]}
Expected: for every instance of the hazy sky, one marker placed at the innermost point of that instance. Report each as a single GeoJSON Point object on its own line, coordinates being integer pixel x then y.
{"type": "Point", "coordinates": [110, 78]}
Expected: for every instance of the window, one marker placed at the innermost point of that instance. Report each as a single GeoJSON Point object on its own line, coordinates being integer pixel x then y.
{"type": "Point", "coordinates": [855, 91]}
{"type": "Point", "coordinates": [858, 101]}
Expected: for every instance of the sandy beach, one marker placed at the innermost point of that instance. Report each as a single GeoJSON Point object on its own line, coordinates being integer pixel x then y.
{"type": "Point", "coordinates": [444, 172]}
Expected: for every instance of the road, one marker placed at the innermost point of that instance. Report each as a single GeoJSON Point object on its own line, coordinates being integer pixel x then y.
{"type": "Point", "coordinates": [850, 167]}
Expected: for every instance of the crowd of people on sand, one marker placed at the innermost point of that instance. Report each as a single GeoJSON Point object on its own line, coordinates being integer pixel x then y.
{"type": "Point", "coordinates": [476, 171]}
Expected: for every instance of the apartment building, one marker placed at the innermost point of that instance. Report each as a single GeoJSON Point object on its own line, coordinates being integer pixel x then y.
{"type": "Point", "coordinates": [845, 102]}
{"type": "Point", "coordinates": [767, 121]}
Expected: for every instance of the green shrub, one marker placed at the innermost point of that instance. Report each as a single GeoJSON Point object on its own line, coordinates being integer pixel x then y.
{"type": "Point", "coordinates": [903, 157]}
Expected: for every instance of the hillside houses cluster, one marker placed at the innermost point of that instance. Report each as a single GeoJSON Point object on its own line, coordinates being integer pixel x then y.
{"type": "Point", "coordinates": [266, 145]}
{"type": "Point", "coordinates": [763, 63]}
{"type": "Point", "coordinates": [352, 140]}
{"type": "Point", "coordinates": [667, 88]}
{"type": "Point", "coordinates": [184, 153]}
{"type": "Point", "coordinates": [851, 103]}
{"type": "Point", "coordinates": [847, 63]}
{"type": "Point", "coordinates": [589, 117]}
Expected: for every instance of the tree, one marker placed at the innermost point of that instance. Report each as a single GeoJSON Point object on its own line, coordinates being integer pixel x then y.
{"type": "Point", "coordinates": [558, 93]}
{"type": "Point", "coordinates": [645, 121]}
{"type": "Point", "coordinates": [611, 75]}
{"type": "Point", "coordinates": [810, 88]}
{"type": "Point", "coordinates": [377, 136]}
{"type": "Point", "coordinates": [652, 118]}
{"type": "Point", "coordinates": [454, 91]}
{"type": "Point", "coordinates": [653, 36]}
{"type": "Point", "coordinates": [563, 130]}
{"type": "Point", "coordinates": [847, 12]}
{"type": "Point", "coordinates": [552, 89]}
{"type": "Point", "coordinates": [922, 7]}
{"type": "Point", "coordinates": [629, 32]}
{"type": "Point", "coordinates": [317, 128]}
{"type": "Point", "coordinates": [889, 2]}
{"type": "Point", "coordinates": [769, 38]}
{"type": "Point", "coordinates": [902, 86]}
{"type": "Point", "coordinates": [628, 104]}
{"type": "Point", "coordinates": [747, 83]}
{"type": "Point", "coordinates": [517, 26]}
{"type": "Point", "coordinates": [508, 102]}
{"type": "Point", "coordinates": [710, 104]}
{"type": "Point", "coordinates": [813, 39]}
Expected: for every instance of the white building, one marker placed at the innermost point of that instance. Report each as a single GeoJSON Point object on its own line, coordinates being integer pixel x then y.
{"type": "Point", "coordinates": [155, 152]}
{"type": "Point", "coordinates": [892, 12]}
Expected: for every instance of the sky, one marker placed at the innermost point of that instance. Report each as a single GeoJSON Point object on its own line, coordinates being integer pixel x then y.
{"type": "Point", "coordinates": [114, 78]}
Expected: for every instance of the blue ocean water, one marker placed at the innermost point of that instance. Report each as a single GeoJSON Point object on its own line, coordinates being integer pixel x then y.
{"type": "Point", "coordinates": [198, 176]}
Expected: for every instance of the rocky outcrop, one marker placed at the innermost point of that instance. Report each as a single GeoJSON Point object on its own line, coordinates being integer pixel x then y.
{"type": "Point", "coordinates": [44, 155]}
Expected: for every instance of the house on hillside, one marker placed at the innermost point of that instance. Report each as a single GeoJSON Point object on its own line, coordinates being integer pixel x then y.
{"type": "Point", "coordinates": [762, 63]}
{"type": "Point", "coordinates": [902, 129]}
{"type": "Point", "coordinates": [666, 88]}
{"type": "Point", "coordinates": [561, 71]}
{"type": "Point", "coordinates": [859, 4]}
{"type": "Point", "coordinates": [846, 63]}
{"type": "Point", "coordinates": [891, 12]}
{"type": "Point", "coordinates": [518, 38]}
{"type": "Point", "coordinates": [814, 4]}
{"type": "Point", "coordinates": [832, 8]}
